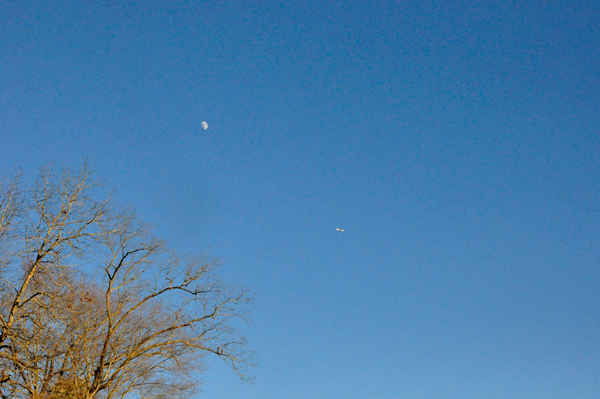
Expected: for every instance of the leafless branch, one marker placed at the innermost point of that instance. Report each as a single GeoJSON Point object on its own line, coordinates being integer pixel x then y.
{"type": "Point", "coordinates": [93, 306]}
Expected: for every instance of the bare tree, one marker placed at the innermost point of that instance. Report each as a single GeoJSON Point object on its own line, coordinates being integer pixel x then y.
{"type": "Point", "coordinates": [93, 306]}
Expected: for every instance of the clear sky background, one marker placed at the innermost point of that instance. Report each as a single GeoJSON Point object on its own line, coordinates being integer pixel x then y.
{"type": "Point", "coordinates": [456, 142]}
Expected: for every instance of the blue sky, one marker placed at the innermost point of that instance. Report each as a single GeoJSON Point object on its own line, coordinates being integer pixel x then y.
{"type": "Point", "coordinates": [457, 143]}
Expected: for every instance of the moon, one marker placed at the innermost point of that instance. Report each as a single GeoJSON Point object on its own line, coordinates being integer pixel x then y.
{"type": "Point", "coordinates": [204, 125]}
